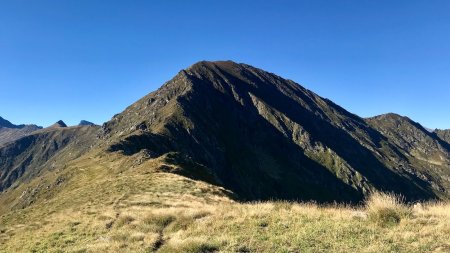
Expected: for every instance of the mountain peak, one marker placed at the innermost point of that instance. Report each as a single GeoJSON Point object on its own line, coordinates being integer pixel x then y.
{"type": "Point", "coordinates": [397, 119]}
{"type": "Point", "coordinates": [6, 123]}
{"type": "Point", "coordinates": [59, 123]}
{"type": "Point", "coordinates": [10, 132]}
{"type": "Point", "coordinates": [86, 123]}
{"type": "Point", "coordinates": [390, 115]}
{"type": "Point", "coordinates": [263, 137]}
{"type": "Point", "coordinates": [228, 117]}
{"type": "Point", "coordinates": [212, 64]}
{"type": "Point", "coordinates": [215, 69]}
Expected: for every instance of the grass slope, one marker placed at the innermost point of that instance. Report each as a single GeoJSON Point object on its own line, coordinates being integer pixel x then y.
{"type": "Point", "coordinates": [131, 204]}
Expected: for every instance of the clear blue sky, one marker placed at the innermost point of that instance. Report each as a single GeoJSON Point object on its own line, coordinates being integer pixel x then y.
{"type": "Point", "coordinates": [89, 59]}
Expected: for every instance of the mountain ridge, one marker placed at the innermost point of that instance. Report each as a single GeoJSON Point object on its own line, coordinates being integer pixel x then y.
{"type": "Point", "coordinates": [58, 123]}
{"type": "Point", "coordinates": [259, 136]}
{"type": "Point", "coordinates": [272, 98]}
{"type": "Point", "coordinates": [180, 169]}
{"type": "Point", "coordinates": [85, 123]}
{"type": "Point", "coordinates": [10, 132]}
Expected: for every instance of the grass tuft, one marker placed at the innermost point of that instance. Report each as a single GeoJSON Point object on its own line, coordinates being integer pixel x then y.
{"type": "Point", "coordinates": [124, 220]}
{"type": "Point", "coordinates": [387, 209]}
{"type": "Point", "coordinates": [157, 222]}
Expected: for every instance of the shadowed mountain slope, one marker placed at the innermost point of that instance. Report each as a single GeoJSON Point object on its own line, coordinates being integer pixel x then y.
{"type": "Point", "coordinates": [253, 133]}
{"type": "Point", "coordinates": [162, 175]}
{"type": "Point", "coordinates": [262, 137]}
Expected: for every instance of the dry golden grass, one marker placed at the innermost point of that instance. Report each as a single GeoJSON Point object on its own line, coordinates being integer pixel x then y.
{"type": "Point", "coordinates": [180, 226]}
{"type": "Point", "coordinates": [387, 209]}
{"type": "Point", "coordinates": [106, 207]}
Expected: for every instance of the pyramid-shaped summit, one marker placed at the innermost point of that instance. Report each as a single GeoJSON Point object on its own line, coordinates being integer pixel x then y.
{"type": "Point", "coordinates": [263, 137]}
{"type": "Point", "coordinates": [85, 123]}
{"type": "Point", "coordinates": [59, 123]}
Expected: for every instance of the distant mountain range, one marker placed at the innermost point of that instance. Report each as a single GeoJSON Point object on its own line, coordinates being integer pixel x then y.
{"type": "Point", "coordinates": [10, 132]}
{"type": "Point", "coordinates": [254, 134]}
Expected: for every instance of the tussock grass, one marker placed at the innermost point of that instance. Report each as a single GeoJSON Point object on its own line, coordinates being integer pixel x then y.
{"type": "Point", "coordinates": [124, 220]}
{"type": "Point", "coordinates": [386, 209]}
{"type": "Point", "coordinates": [251, 227]}
{"type": "Point", "coordinates": [156, 222]}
